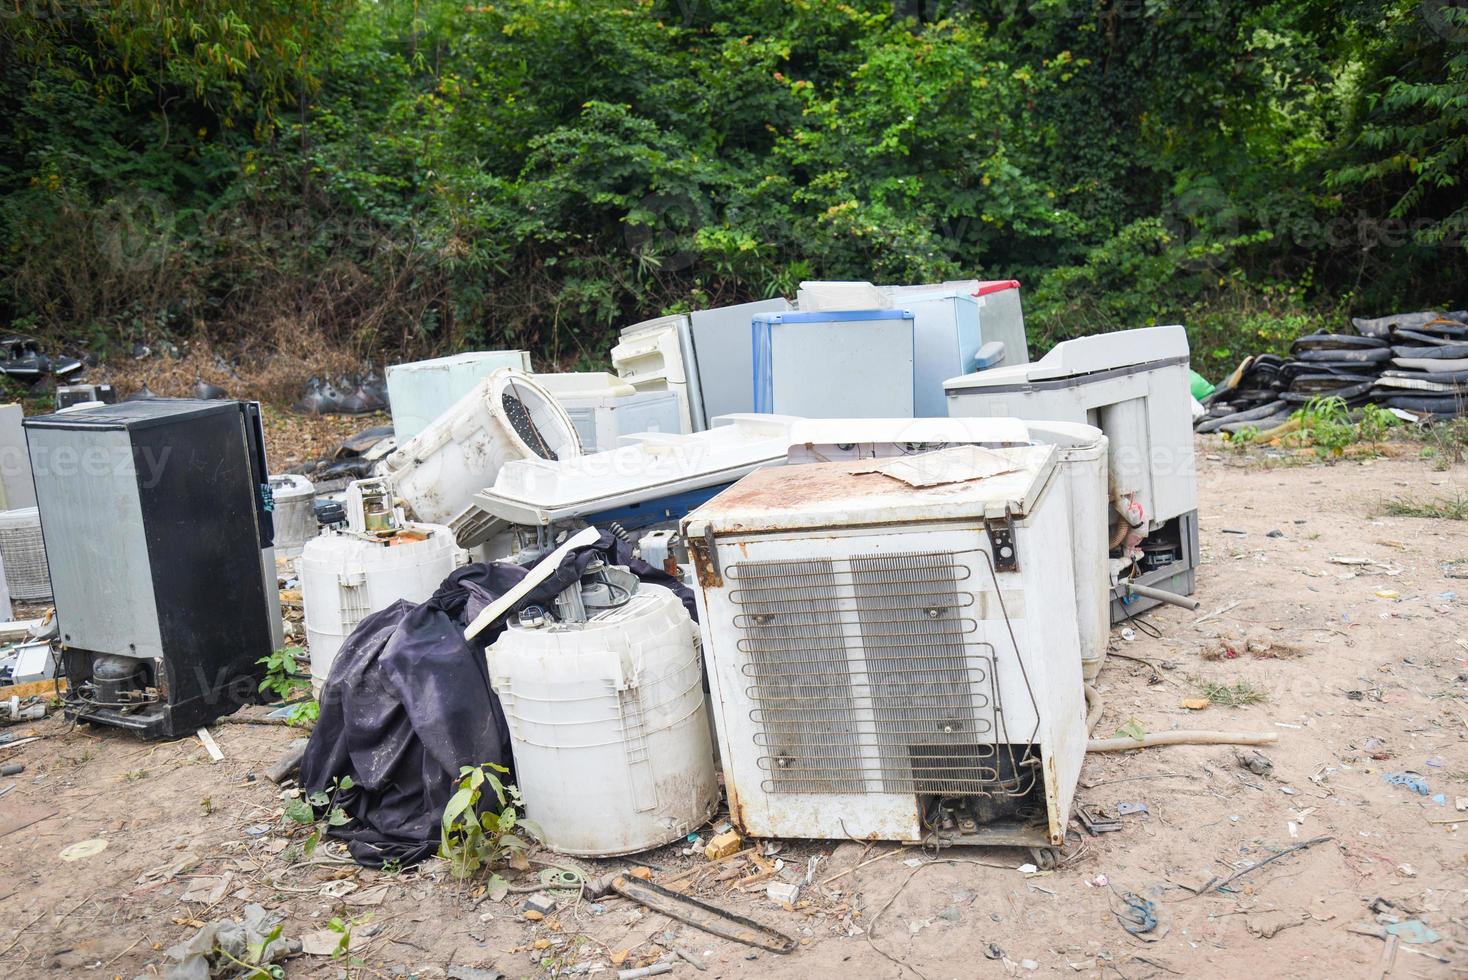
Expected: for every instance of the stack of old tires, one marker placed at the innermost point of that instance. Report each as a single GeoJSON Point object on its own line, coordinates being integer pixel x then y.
{"type": "Point", "coordinates": [1428, 371]}
{"type": "Point", "coordinates": [1412, 362]}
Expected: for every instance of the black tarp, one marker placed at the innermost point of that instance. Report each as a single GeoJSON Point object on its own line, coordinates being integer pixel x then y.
{"type": "Point", "coordinates": [408, 703]}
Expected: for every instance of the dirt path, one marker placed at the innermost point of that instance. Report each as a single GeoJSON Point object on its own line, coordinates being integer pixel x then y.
{"type": "Point", "coordinates": [1365, 671]}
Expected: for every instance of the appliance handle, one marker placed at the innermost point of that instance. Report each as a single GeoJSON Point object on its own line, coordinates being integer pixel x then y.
{"type": "Point", "coordinates": [259, 472]}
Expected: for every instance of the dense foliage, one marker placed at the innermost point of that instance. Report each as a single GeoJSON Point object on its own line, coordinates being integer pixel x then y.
{"type": "Point", "coordinates": [434, 173]}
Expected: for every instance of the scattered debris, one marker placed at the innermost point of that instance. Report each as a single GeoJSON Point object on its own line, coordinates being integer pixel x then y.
{"type": "Point", "coordinates": [83, 849]}
{"type": "Point", "coordinates": [1139, 915]}
{"type": "Point", "coordinates": [1412, 931]}
{"type": "Point", "coordinates": [1267, 925]}
{"type": "Point", "coordinates": [220, 947]}
{"type": "Point", "coordinates": [1213, 884]}
{"type": "Point", "coordinates": [1256, 762]}
{"type": "Point", "coordinates": [1096, 820]}
{"type": "Point", "coordinates": [782, 893]}
{"type": "Point", "coordinates": [210, 746]}
{"type": "Point", "coordinates": [723, 845]}
{"type": "Point", "coordinates": [1127, 809]}
{"type": "Point", "coordinates": [700, 915]}
{"type": "Point", "coordinates": [289, 764]}
{"type": "Point", "coordinates": [1411, 780]}
{"type": "Point", "coordinates": [540, 903]}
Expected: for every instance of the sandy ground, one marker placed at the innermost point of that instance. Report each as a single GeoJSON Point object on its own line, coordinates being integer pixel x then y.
{"type": "Point", "coordinates": [1365, 669]}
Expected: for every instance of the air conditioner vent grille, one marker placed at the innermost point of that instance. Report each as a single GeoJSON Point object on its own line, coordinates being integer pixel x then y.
{"type": "Point", "coordinates": [868, 675]}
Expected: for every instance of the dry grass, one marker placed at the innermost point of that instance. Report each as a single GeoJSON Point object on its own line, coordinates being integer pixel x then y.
{"type": "Point", "coordinates": [1234, 695]}
{"type": "Point", "coordinates": [270, 367]}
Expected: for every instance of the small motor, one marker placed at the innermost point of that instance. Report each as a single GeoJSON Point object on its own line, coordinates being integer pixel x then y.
{"type": "Point", "coordinates": [118, 680]}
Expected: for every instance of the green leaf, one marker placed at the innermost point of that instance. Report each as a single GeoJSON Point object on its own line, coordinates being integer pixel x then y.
{"type": "Point", "coordinates": [300, 811]}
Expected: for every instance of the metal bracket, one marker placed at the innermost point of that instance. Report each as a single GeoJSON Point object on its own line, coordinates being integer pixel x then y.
{"type": "Point", "coordinates": [704, 554]}
{"type": "Point", "coordinates": [1001, 542]}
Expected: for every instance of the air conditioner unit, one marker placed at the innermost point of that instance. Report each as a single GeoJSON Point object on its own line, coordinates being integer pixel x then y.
{"type": "Point", "coordinates": [1080, 449]}
{"type": "Point", "coordinates": [891, 660]}
{"type": "Point", "coordinates": [1133, 386]}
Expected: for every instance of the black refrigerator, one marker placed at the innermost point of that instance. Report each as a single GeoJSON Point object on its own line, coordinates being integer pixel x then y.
{"type": "Point", "coordinates": [156, 517]}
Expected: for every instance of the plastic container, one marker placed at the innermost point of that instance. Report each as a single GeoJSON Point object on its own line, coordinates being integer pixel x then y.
{"type": "Point", "coordinates": [609, 726]}
{"type": "Point", "coordinates": [421, 391]}
{"type": "Point", "coordinates": [345, 577]}
{"type": "Point", "coordinates": [23, 555]}
{"type": "Point", "coordinates": [295, 513]}
{"type": "Point", "coordinates": [846, 364]}
{"type": "Point", "coordinates": [507, 416]}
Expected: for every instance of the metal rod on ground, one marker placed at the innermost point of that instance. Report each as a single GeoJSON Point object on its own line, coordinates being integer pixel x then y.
{"type": "Point", "coordinates": [1182, 738]}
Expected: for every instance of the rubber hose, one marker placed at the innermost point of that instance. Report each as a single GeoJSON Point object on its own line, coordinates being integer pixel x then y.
{"type": "Point", "coordinates": [1162, 595]}
{"type": "Point", "coordinates": [1093, 708]}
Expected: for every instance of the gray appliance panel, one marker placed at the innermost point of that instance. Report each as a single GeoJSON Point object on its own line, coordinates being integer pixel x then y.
{"type": "Point", "coordinates": [101, 577]}
{"type": "Point", "coordinates": [725, 355]}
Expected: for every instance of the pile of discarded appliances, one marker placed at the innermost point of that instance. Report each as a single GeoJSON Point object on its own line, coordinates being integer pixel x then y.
{"type": "Point", "coordinates": [857, 551]}
{"type": "Point", "coordinates": [1415, 364]}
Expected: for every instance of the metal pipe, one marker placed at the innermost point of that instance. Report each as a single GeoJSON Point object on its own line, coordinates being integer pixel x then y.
{"type": "Point", "coordinates": [1162, 595]}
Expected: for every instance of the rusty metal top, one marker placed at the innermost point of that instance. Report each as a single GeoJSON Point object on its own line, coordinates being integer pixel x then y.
{"type": "Point", "coordinates": [822, 495]}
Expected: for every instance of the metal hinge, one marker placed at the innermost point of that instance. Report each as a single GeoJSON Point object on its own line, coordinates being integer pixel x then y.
{"type": "Point", "coordinates": [1001, 542]}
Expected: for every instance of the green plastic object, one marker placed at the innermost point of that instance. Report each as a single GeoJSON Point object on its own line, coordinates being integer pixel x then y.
{"type": "Point", "coordinates": [1201, 388]}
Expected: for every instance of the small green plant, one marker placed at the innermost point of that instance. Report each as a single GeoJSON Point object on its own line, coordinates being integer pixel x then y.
{"type": "Point", "coordinates": [343, 949]}
{"type": "Point", "coordinates": [1132, 729]}
{"type": "Point", "coordinates": [284, 680]}
{"type": "Point", "coordinates": [1454, 508]}
{"type": "Point", "coordinates": [1234, 695]}
{"type": "Point", "coordinates": [1243, 438]}
{"type": "Point", "coordinates": [475, 837]}
{"type": "Point", "coordinates": [1325, 424]}
{"type": "Point", "coordinates": [254, 961]}
{"type": "Point", "coordinates": [303, 812]}
{"type": "Point", "coordinates": [1376, 424]}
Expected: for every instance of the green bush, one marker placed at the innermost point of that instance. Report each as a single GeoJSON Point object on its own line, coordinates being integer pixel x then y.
{"type": "Point", "coordinates": [536, 172]}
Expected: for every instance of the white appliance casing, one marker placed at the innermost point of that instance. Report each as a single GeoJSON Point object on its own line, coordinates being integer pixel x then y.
{"type": "Point", "coordinates": [1022, 622]}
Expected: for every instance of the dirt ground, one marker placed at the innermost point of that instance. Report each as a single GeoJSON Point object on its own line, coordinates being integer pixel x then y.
{"type": "Point", "coordinates": [1364, 667]}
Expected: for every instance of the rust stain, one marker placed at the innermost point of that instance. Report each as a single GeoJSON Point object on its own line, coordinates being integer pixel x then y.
{"type": "Point", "coordinates": [703, 566]}
{"type": "Point", "coordinates": [736, 805]}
